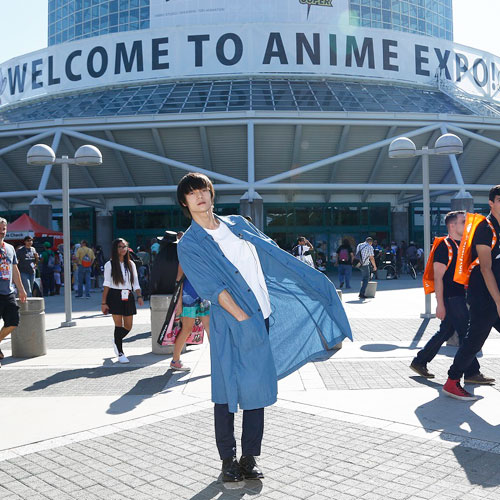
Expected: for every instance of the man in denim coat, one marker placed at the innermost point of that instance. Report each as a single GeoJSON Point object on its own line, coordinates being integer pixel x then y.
{"type": "Point", "coordinates": [270, 315]}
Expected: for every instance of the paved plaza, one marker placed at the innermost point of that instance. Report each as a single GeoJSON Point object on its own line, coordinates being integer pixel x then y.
{"type": "Point", "coordinates": [355, 424]}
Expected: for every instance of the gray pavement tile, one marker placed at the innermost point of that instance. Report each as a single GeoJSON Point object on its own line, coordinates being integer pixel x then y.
{"type": "Point", "coordinates": [342, 374]}
{"type": "Point", "coordinates": [78, 337]}
{"type": "Point", "coordinates": [358, 463]}
{"type": "Point", "coordinates": [104, 381]}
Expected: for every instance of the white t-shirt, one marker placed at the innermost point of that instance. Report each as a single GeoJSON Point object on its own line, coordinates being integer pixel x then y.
{"type": "Point", "coordinates": [128, 284]}
{"type": "Point", "coordinates": [243, 255]}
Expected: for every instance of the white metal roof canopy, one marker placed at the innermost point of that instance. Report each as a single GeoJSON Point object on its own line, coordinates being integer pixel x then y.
{"type": "Point", "coordinates": [259, 154]}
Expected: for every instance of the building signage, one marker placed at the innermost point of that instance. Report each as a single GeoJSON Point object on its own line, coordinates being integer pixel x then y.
{"type": "Point", "coordinates": [248, 49]}
{"type": "Point", "coordinates": [167, 13]}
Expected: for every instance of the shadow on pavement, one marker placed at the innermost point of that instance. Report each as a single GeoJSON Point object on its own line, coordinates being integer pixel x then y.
{"type": "Point", "coordinates": [384, 347]}
{"type": "Point", "coordinates": [137, 394]}
{"type": "Point", "coordinates": [449, 417]}
{"type": "Point", "coordinates": [229, 491]}
{"type": "Point", "coordinates": [137, 336]}
{"type": "Point", "coordinates": [107, 369]}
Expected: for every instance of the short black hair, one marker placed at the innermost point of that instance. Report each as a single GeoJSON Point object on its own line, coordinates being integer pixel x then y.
{"type": "Point", "coordinates": [189, 183]}
{"type": "Point", "coordinates": [27, 238]}
{"type": "Point", "coordinates": [452, 216]}
{"type": "Point", "coordinates": [494, 191]}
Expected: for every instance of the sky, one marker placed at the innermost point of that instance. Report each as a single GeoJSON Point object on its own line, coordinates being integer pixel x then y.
{"type": "Point", "coordinates": [475, 25]}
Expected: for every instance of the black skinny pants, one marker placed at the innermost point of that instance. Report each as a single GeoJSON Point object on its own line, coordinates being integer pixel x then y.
{"type": "Point", "coordinates": [456, 319]}
{"type": "Point", "coordinates": [483, 317]}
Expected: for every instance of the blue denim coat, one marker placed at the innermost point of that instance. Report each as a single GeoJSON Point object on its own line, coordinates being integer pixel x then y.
{"type": "Point", "coordinates": [307, 316]}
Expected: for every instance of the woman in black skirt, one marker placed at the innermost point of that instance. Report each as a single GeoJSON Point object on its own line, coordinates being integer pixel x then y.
{"type": "Point", "coordinates": [120, 278]}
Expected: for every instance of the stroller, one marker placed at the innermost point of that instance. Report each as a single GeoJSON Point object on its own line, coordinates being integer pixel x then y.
{"type": "Point", "coordinates": [388, 263]}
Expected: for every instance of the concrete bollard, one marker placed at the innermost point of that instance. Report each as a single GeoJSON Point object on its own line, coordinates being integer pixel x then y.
{"type": "Point", "coordinates": [28, 339]}
{"type": "Point", "coordinates": [159, 306]}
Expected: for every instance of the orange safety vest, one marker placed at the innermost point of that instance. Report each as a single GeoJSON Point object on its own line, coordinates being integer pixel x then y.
{"type": "Point", "coordinates": [465, 265]}
{"type": "Point", "coordinates": [428, 278]}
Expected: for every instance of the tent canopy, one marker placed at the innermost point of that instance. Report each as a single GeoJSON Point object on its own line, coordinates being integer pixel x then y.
{"type": "Point", "coordinates": [26, 226]}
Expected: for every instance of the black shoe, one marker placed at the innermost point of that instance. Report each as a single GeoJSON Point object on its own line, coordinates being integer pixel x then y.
{"type": "Point", "coordinates": [362, 296]}
{"type": "Point", "coordinates": [479, 379]}
{"type": "Point", "coordinates": [249, 468]}
{"type": "Point", "coordinates": [421, 370]}
{"type": "Point", "coordinates": [341, 285]}
{"type": "Point", "coordinates": [231, 472]}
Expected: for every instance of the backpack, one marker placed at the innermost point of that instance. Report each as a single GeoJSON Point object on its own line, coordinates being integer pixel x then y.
{"type": "Point", "coordinates": [86, 260]}
{"type": "Point", "coordinates": [343, 255]}
{"type": "Point", "coordinates": [428, 278]}
{"type": "Point", "coordinates": [465, 265]}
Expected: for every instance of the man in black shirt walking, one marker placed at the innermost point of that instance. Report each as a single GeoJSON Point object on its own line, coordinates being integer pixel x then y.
{"type": "Point", "coordinates": [483, 296]}
{"type": "Point", "coordinates": [450, 296]}
{"type": "Point", "coordinates": [27, 258]}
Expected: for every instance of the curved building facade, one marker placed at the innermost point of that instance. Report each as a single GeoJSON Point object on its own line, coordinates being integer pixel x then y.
{"type": "Point", "coordinates": [424, 17]}
{"type": "Point", "coordinates": [76, 19]}
{"type": "Point", "coordinates": [289, 106]}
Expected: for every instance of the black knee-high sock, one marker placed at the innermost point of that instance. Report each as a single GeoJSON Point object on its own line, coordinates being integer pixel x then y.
{"type": "Point", "coordinates": [124, 332]}
{"type": "Point", "coordinates": [118, 339]}
{"type": "Point", "coordinates": [120, 334]}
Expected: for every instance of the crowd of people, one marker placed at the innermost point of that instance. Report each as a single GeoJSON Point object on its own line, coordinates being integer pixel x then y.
{"type": "Point", "coordinates": [269, 313]}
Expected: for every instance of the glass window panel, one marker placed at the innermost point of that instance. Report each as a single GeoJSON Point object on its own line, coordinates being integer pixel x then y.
{"type": "Point", "coordinates": [134, 15]}
{"type": "Point", "coordinates": [125, 219]}
{"type": "Point", "coordinates": [277, 216]}
{"type": "Point", "coordinates": [395, 5]}
{"type": "Point", "coordinates": [363, 216]}
{"type": "Point", "coordinates": [346, 216]}
{"type": "Point", "coordinates": [379, 216]}
{"type": "Point", "coordinates": [80, 220]}
{"type": "Point", "coordinates": [309, 216]}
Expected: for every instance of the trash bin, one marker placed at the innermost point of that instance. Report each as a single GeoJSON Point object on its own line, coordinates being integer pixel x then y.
{"type": "Point", "coordinates": [28, 339]}
{"type": "Point", "coordinates": [159, 306]}
{"type": "Point", "coordinates": [371, 289]}
{"type": "Point", "coordinates": [381, 274]}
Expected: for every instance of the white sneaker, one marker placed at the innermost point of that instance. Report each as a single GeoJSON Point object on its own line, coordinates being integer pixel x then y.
{"type": "Point", "coordinates": [123, 359]}
{"type": "Point", "coordinates": [179, 366]}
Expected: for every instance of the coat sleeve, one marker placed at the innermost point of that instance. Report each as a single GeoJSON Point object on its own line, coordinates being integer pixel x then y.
{"type": "Point", "coordinates": [207, 284]}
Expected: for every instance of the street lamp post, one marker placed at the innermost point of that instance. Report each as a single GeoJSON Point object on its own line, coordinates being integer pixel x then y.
{"type": "Point", "coordinates": [402, 147]}
{"type": "Point", "coordinates": [41, 154]}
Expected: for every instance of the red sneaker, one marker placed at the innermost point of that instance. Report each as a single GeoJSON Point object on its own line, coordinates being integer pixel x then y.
{"type": "Point", "coordinates": [453, 389]}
